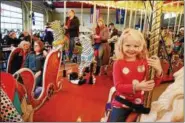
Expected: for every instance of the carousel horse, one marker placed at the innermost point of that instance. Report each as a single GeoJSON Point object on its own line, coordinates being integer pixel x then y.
{"type": "Point", "coordinates": [60, 39]}
{"type": "Point", "coordinates": [59, 35]}
{"type": "Point", "coordinates": [86, 62]}
{"type": "Point", "coordinates": [169, 106]}
{"type": "Point", "coordinates": [15, 60]}
{"type": "Point", "coordinates": [50, 84]}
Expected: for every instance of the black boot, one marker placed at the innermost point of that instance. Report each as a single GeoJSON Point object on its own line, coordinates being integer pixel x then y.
{"type": "Point", "coordinates": [97, 70]}
{"type": "Point", "coordinates": [73, 76]}
{"type": "Point", "coordinates": [81, 81]}
{"type": "Point", "coordinates": [87, 70]}
{"type": "Point", "coordinates": [91, 80]}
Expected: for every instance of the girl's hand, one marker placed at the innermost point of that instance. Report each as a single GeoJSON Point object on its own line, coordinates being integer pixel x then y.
{"type": "Point", "coordinates": [156, 64]}
{"type": "Point", "coordinates": [145, 85]}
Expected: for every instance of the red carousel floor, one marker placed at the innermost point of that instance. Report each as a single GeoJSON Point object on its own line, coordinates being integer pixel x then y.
{"type": "Point", "coordinates": [85, 101]}
{"type": "Point", "coordinates": [73, 101]}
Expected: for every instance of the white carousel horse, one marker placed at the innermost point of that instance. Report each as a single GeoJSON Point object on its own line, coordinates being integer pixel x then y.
{"type": "Point", "coordinates": [50, 81]}
{"type": "Point", "coordinates": [87, 52]}
{"type": "Point", "coordinates": [59, 35]}
{"type": "Point", "coordinates": [169, 106]}
{"type": "Point", "coordinates": [87, 57]}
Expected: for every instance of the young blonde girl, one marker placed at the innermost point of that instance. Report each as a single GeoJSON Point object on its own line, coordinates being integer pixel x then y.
{"type": "Point", "coordinates": [129, 75]}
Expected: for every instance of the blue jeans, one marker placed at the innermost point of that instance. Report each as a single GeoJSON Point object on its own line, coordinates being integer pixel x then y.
{"type": "Point", "coordinates": [100, 56]}
{"type": "Point", "coordinates": [119, 114]}
{"type": "Point", "coordinates": [71, 46]}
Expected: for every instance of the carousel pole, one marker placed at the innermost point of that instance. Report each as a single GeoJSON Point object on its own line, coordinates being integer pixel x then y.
{"type": "Point", "coordinates": [169, 21]}
{"type": "Point", "coordinates": [31, 11]}
{"type": "Point", "coordinates": [141, 20]}
{"type": "Point", "coordinates": [108, 13]}
{"type": "Point", "coordinates": [94, 15]}
{"type": "Point", "coordinates": [175, 25]}
{"type": "Point", "coordinates": [130, 19]}
{"type": "Point", "coordinates": [154, 41]}
{"type": "Point", "coordinates": [135, 14]}
{"type": "Point", "coordinates": [81, 18]}
{"type": "Point", "coordinates": [64, 62]}
{"type": "Point", "coordinates": [144, 26]}
{"type": "Point", "coordinates": [120, 19]}
{"type": "Point", "coordinates": [64, 11]}
{"type": "Point", "coordinates": [150, 14]}
{"type": "Point", "coordinates": [125, 18]}
{"type": "Point", "coordinates": [180, 19]}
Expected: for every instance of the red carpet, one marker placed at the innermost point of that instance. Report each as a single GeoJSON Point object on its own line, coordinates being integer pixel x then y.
{"type": "Point", "coordinates": [73, 101]}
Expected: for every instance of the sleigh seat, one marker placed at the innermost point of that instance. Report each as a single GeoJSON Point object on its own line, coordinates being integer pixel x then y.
{"type": "Point", "coordinates": [15, 60]}
{"type": "Point", "coordinates": [50, 80]}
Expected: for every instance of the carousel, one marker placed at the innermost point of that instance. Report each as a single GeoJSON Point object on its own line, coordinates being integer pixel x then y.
{"type": "Point", "coordinates": [70, 92]}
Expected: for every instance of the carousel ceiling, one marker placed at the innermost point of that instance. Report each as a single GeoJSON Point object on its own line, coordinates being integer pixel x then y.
{"type": "Point", "coordinates": [168, 6]}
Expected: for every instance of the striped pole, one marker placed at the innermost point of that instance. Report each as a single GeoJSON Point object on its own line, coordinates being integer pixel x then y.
{"type": "Point", "coordinates": [144, 26]}
{"type": "Point", "coordinates": [150, 14]}
{"type": "Point", "coordinates": [154, 41]}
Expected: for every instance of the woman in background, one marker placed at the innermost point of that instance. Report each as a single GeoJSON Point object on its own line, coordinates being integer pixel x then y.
{"type": "Point", "coordinates": [101, 46]}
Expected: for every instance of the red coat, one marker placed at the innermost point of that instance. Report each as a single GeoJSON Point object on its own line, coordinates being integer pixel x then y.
{"type": "Point", "coordinates": [124, 74]}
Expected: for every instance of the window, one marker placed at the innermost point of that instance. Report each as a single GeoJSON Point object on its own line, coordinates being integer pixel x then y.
{"type": "Point", "coordinates": [39, 21]}
{"type": "Point", "coordinates": [169, 15]}
{"type": "Point", "coordinates": [11, 17]}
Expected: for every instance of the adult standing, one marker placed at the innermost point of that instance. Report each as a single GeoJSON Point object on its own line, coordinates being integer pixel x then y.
{"type": "Point", "coordinates": [25, 36]}
{"type": "Point", "coordinates": [72, 25]}
{"type": "Point", "coordinates": [12, 40]}
{"type": "Point", "coordinates": [48, 34]}
{"type": "Point", "coordinates": [101, 46]}
{"type": "Point", "coordinates": [113, 33]}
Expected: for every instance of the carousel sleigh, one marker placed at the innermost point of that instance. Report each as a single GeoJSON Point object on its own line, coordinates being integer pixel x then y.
{"type": "Point", "coordinates": [50, 82]}
{"type": "Point", "coordinates": [15, 60]}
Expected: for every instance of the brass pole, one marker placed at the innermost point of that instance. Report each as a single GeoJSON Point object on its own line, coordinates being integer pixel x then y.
{"type": "Point", "coordinates": [154, 41]}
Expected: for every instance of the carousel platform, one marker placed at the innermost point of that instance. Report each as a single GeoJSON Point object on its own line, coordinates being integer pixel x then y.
{"type": "Point", "coordinates": [86, 102]}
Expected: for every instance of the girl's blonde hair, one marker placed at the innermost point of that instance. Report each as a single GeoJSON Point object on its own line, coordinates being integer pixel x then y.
{"type": "Point", "coordinates": [138, 37]}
